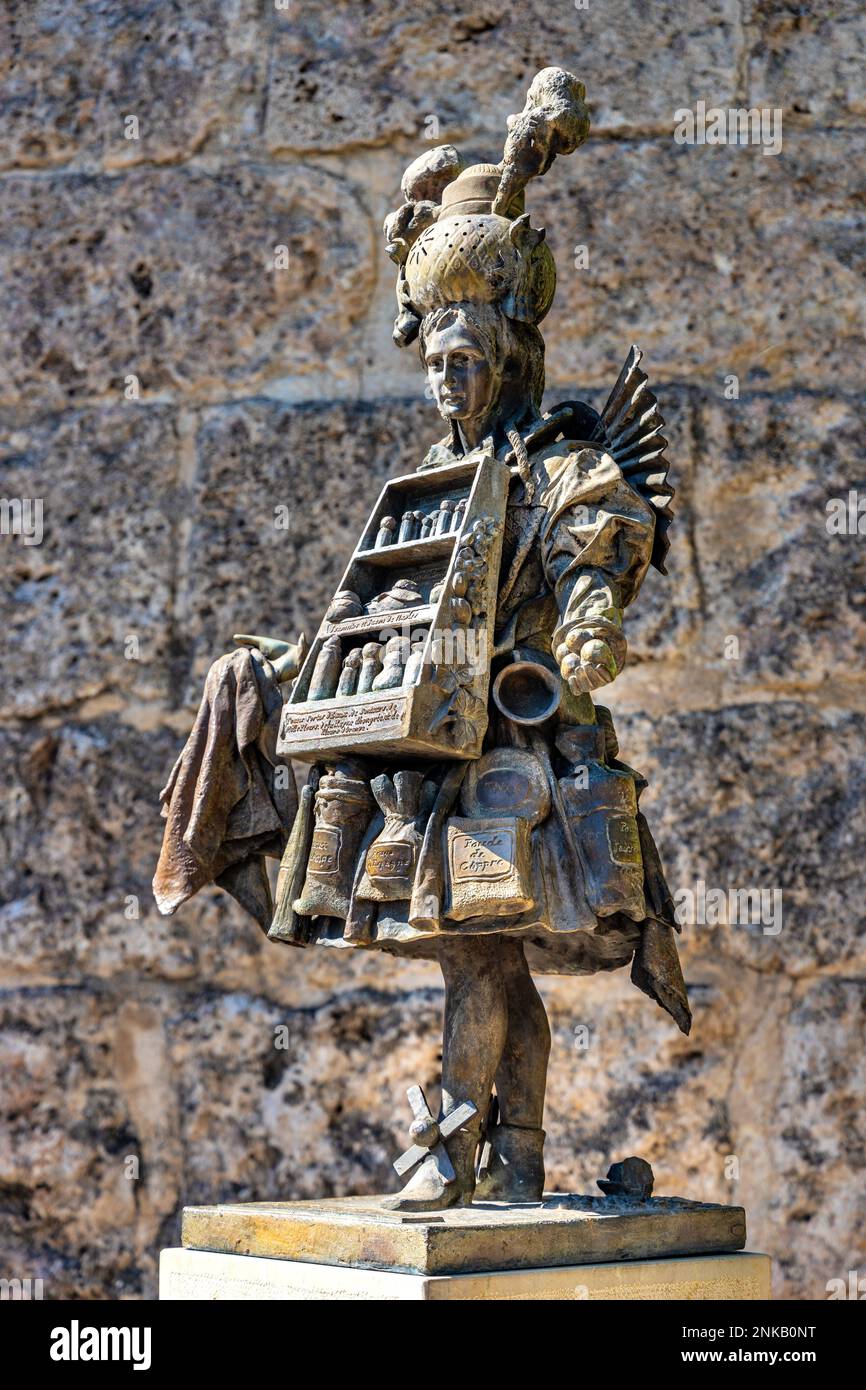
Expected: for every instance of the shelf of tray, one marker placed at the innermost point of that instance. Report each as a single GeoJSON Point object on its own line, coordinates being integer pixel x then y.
{"type": "Point", "coordinates": [404, 552]}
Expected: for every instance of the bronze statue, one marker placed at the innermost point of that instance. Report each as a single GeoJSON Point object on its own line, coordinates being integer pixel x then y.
{"type": "Point", "coordinates": [466, 801]}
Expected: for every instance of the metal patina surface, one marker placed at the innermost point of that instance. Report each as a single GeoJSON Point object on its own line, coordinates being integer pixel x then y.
{"type": "Point", "coordinates": [465, 800]}
{"type": "Point", "coordinates": [486, 1236]}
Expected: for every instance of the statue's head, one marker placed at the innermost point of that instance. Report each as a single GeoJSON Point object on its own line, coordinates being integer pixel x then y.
{"type": "Point", "coordinates": [480, 365]}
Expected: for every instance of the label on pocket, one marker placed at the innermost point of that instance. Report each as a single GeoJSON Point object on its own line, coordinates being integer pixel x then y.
{"type": "Point", "coordinates": [390, 859]}
{"type": "Point", "coordinates": [325, 850]}
{"type": "Point", "coordinates": [488, 867]}
{"type": "Point", "coordinates": [487, 855]}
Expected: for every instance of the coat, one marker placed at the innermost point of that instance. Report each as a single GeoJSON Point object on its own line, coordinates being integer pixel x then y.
{"type": "Point", "coordinates": [578, 543]}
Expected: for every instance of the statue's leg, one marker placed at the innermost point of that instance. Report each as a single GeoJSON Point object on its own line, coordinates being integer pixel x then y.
{"type": "Point", "coordinates": [475, 1029]}
{"type": "Point", "coordinates": [521, 1077]}
{"type": "Point", "coordinates": [515, 1171]}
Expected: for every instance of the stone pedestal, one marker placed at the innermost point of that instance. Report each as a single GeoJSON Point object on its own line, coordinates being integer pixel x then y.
{"type": "Point", "coordinates": [186, 1275]}
{"type": "Point", "coordinates": [565, 1247]}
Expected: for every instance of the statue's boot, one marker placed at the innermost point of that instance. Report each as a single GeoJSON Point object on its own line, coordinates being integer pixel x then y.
{"type": "Point", "coordinates": [427, 1190]}
{"type": "Point", "coordinates": [515, 1170]}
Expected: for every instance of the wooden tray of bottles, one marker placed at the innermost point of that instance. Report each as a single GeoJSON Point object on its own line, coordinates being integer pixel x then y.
{"type": "Point", "coordinates": [442, 577]}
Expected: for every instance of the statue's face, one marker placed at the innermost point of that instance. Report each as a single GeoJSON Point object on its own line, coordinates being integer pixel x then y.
{"type": "Point", "coordinates": [461, 377]}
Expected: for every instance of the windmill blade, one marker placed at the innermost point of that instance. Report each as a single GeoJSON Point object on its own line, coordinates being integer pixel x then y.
{"type": "Point", "coordinates": [416, 1153]}
{"type": "Point", "coordinates": [418, 1103]}
{"type": "Point", "coordinates": [408, 1160]}
{"type": "Point", "coordinates": [440, 1157]}
{"type": "Point", "coordinates": [451, 1123]}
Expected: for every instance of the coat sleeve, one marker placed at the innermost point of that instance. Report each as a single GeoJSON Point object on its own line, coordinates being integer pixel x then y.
{"type": "Point", "coordinates": [596, 546]}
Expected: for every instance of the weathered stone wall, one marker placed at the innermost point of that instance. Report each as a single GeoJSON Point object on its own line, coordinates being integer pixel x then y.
{"type": "Point", "coordinates": [151, 1038]}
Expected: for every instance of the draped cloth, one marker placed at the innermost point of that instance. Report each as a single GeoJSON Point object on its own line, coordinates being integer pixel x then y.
{"type": "Point", "coordinates": [229, 801]}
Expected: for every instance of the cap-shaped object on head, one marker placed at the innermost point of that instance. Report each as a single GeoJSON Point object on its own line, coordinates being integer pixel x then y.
{"type": "Point", "coordinates": [462, 236]}
{"type": "Point", "coordinates": [473, 255]}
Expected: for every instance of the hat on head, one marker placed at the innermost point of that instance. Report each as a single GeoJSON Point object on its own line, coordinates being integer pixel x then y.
{"type": "Point", "coordinates": [462, 236]}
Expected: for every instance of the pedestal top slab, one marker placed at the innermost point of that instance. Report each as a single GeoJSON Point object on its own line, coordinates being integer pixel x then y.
{"type": "Point", "coordinates": [561, 1230]}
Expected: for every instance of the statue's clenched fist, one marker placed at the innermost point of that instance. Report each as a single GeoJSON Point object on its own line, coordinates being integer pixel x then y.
{"type": "Point", "coordinates": [591, 665]}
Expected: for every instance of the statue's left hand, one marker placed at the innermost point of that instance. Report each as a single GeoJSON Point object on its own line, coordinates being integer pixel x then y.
{"type": "Point", "coordinates": [587, 669]}
{"type": "Point", "coordinates": [285, 657]}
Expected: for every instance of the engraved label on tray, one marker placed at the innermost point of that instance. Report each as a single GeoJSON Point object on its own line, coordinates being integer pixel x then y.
{"type": "Point", "coordinates": [502, 789]}
{"type": "Point", "coordinates": [382, 716]}
{"type": "Point", "coordinates": [487, 854]}
{"type": "Point", "coordinates": [325, 850]}
{"type": "Point", "coordinates": [389, 859]}
{"type": "Point", "coordinates": [367, 622]}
